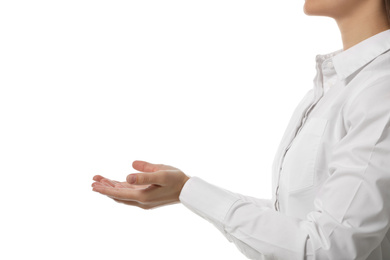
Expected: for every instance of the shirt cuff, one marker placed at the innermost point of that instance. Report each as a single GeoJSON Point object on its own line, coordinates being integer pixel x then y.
{"type": "Point", "coordinates": [207, 200]}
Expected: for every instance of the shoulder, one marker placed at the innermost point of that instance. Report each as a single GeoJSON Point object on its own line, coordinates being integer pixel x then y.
{"type": "Point", "coordinates": [370, 99]}
{"type": "Point", "coordinates": [372, 85]}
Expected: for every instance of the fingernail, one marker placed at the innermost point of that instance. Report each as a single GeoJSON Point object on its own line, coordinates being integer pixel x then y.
{"type": "Point", "coordinates": [132, 178]}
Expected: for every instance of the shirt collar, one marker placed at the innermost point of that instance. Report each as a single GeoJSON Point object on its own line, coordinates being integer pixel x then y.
{"type": "Point", "coordinates": [348, 61]}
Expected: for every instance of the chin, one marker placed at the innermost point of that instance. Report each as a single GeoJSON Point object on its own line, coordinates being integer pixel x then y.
{"type": "Point", "coordinates": [317, 8]}
{"type": "Point", "coordinates": [309, 9]}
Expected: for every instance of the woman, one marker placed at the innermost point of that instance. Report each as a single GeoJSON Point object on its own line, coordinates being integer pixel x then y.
{"type": "Point", "coordinates": [331, 174]}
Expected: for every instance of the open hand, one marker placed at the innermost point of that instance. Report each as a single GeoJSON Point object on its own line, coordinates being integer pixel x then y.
{"type": "Point", "coordinates": [156, 185]}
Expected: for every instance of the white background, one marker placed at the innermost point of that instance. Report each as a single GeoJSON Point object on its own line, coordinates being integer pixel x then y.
{"type": "Point", "coordinates": [89, 86]}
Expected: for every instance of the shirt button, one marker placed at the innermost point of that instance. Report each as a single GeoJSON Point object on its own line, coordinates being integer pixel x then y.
{"type": "Point", "coordinates": [329, 64]}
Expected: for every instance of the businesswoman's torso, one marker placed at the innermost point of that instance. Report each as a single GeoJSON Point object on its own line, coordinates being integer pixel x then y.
{"type": "Point", "coordinates": [335, 154]}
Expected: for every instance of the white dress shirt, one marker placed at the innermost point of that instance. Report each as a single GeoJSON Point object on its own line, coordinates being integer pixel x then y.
{"type": "Point", "coordinates": [331, 173]}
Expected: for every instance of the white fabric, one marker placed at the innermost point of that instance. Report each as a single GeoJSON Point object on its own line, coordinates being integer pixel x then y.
{"type": "Point", "coordinates": [331, 173]}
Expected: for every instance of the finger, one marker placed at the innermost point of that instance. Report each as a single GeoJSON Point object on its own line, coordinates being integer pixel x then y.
{"type": "Point", "coordinates": [143, 166]}
{"type": "Point", "coordinates": [100, 184]}
{"type": "Point", "coordinates": [102, 179]}
{"type": "Point", "coordinates": [97, 178]}
{"type": "Point", "coordinates": [146, 178]}
{"type": "Point", "coordinates": [118, 193]}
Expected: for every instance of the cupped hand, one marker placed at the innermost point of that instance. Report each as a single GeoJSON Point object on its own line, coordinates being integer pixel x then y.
{"type": "Point", "coordinates": [156, 185]}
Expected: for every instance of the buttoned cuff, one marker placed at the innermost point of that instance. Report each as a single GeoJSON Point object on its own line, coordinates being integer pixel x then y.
{"type": "Point", "coordinates": [207, 200]}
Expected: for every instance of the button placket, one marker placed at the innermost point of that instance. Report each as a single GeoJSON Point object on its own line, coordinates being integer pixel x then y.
{"type": "Point", "coordinates": [303, 120]}
{"type": "Point", "coordinates": [318, 93]}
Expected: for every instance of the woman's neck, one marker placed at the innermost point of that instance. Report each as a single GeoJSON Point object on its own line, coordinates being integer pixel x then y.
{"type": "Point", "coordinates": [357, 27]}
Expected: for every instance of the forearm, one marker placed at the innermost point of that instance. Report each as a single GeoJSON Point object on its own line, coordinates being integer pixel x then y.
{"type": "Point", "coordinates": [248, 222]}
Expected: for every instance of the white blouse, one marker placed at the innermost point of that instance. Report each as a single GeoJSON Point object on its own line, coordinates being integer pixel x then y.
{"type": "Point", "coordinates": [331, 173]}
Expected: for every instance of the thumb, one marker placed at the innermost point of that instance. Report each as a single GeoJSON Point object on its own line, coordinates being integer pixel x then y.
{"type": "Point", "coordinates": [143, 166]}
{"type": "Point", "coordinates": [144, 178]}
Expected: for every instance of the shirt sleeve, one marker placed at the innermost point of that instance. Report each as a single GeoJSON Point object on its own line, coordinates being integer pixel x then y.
{"type": "Point", "coordinates": [352, 212]}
